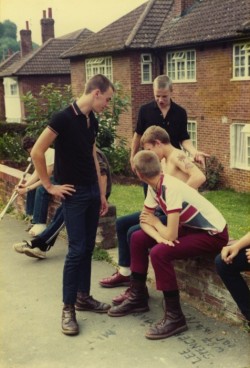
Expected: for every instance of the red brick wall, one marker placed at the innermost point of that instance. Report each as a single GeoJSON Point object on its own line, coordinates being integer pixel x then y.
{"type": "Point", "coordinates": [214, 101]}
{"type": "Point", "coordinates": [34, 83]}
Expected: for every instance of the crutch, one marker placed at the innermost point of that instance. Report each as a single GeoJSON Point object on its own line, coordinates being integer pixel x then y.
{"type": "Point", "coordinates": [15, 194]}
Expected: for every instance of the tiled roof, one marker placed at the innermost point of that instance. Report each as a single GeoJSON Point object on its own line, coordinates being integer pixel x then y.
{"type": "Point", "coordinates": [207, 20]}
{"type": "Point", "coordinates": [46, 59]}
{"type": "Point", "coordinates": [153, 25]}
{"type": "Point", "coordinates": [10, 60]}
{"type": "Point", "coordinates": [110, 38]}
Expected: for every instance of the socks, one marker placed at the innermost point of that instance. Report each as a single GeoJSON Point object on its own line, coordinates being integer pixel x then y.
{"type": "Point", "coordinates": [124, 271]}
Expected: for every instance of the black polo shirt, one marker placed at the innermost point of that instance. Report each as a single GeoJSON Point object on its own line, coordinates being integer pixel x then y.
{"type": "Point", "coordinates": [175, 122]}
{"type": "Point", "coordinates": [74, 161]}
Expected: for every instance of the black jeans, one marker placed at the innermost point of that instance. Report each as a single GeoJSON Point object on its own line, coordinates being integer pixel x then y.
{"type": "Point", "coordinates": [233, 280]}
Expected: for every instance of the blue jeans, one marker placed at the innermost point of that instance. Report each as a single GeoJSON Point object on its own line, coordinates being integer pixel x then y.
{"type": "Point", "coordinates": [125, 226]}
{"type": "Point", "coordinates": [234, 282]}
{"type": "Point", "coordinates": [81, 215]}
{"type": "Point", "coordinates": [47, 238]}
{"type": "Point", "coordinates": [37, 204]}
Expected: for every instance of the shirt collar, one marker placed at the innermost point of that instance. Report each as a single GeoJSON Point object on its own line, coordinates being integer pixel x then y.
{"type": "Point", "coordinates": [76, 109]}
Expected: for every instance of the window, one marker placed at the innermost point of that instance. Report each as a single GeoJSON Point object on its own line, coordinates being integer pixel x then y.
{"type": "Point", "coordinates": [240, 146]}
{"type": "Point", "coordinates": [13, 89]}
{"type": "Point", "coordinates": [102, 65]}
{"type": "Point", "coordinates": [181, 66]}
{"type": "Point", "coordinates": [241, 61]}
{"type": "Point", "coordinates": [192, 131]}
{"type": "Point", "coordinates": [146, 68]}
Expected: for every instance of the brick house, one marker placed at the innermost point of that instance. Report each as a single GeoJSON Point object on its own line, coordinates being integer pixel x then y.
{"type": "Point", "coordinates": [204, 46]}
{"type": "Point", "coordinates": [28, 70]}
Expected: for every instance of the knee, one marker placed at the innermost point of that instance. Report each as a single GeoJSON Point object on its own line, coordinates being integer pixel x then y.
{"type": "Point", "coordinates": [220, 265]}
{"type": "Point", "coordinates": [159, 252]}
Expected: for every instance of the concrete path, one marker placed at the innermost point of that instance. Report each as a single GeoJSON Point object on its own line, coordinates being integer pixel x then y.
{"type": "Point", "coordinates": [30, 317]}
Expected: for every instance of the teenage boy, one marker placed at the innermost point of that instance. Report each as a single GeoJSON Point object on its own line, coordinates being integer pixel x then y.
{"type": "Point", "coordinates": [77, 171]}
{"type": "Point", "coordinates": [194, 227]}
{"type": "Point", "coordinates": [175, 162]}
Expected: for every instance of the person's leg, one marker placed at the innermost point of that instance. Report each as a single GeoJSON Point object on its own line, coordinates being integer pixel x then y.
{"type": "Point", "coordinates": [30, 201]}
{"type": "Point", "coordinates": [137, 300]}
{"type": "Point", "coordinates": [191, 243]}
{"type": "Point", "coordinates": [234, 282]}
{"type": "Point", "coordinates": [121, 277]}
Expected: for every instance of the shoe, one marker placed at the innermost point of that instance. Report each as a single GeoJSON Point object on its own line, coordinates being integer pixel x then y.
{"type": "Point", "coordinates": [88, 303]}
{"type": "Point", "coordinates": [115, 280]}
{"type": "Point", "coordinates": [35, 253]}
{"type": "Point", "coordinates": [22, 246]}
{"type": "Point", "coordinates": [29, 227]}
{"type": "Point", "coordinates": [117, 300]}
{"type": "Point", "coordinates": [69, 323]}
{"type": "Point", "coordinates": [173, 321]}
{"type": "Point", "coordinates": [37, 229]}
{"type": "Point", "coordinates": [137, 302]}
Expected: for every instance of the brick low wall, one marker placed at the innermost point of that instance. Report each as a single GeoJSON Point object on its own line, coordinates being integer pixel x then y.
{"type": "Point", "coordinates": [197, 278]}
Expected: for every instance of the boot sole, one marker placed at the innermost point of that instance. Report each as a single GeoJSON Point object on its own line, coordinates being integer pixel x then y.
{"type": "Point", "coordinates": [115, 285]}
{"type": "Point", "coordinates": [164, 336]}
{"type": "Point", "coordinates": [137, 310]}
{"type": "Point", "coordinates": [90, 310]}
{"type": "Point", "coordinates": [70, 333]}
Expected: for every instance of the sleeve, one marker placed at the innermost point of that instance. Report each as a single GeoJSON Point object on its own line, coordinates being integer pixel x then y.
{"type": "Point", "coordinates": [140, 126]}
{"type": "Point", "coordinates": [57, 123]}
{"type": "Point", "coordinates": [50, 156]}
{"type": "Point", "coordinates": [183, 131]}
{"type": "Point", "coordinates": [150, 201]}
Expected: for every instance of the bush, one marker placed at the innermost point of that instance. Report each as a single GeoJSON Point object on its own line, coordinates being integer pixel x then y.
{"type": "Point", "coordinates": [213, 174]}
{"type": "Point", "coordinates": [11, 148]}
{"type": "Point", "coordinates": [12, 128]}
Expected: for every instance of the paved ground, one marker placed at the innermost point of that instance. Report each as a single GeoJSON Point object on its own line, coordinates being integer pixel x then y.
{"type": "Point", "coordinates": [30, 312]}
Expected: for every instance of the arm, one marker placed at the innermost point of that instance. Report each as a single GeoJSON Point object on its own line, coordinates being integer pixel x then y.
{"type": "Point", "coordinates": [199, 156]}
{"type": "Point", "coordinates": [33, 181]}
{"type": "Point", "coordinates": [152, 226]}
{"type": "Point", "coordinates": [135, 145]}
{"type": "Point", "coordinates": [38, 156]}
{"type": "Point", "coordinates": [229, 252]}
{"type": "Point", "coordinates": [195, 176]}
{"type": "Point", "coordinates": [104, 203]}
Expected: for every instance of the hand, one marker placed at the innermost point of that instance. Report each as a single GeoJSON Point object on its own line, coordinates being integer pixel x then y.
{"type": "Point", "coordinates": [149, 218]}
{"type": "Point", "coordinates": [200, 158]}
{"type": "Point", "coordinates": [248, 255]}
{"type": "Point", "coordinates": [170, 243]}
{"type": "Point", "coordinates": [61, 190]}
{"type": "Point", "coordinates": [228, 253]}
{"type": "Point", "coordinates": [20, 189]}
{"type": "Point", "coordinates": [104, 206]}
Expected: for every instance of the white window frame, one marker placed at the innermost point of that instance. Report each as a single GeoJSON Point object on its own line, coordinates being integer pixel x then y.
{"type": "Point", "coordinates": [192, 131]}
{"type": "Point", "coordinates": [181, 66]}
{"type": "Point", "coordinates": [146, 68]}
{"type": "Point", "coordinates": [99, 65]}
{"type": "Point", "coordinates": [240, 146]}
{"type": "Point", "coordinates": [241, 61]}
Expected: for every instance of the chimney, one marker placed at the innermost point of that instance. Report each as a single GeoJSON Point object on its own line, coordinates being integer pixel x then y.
{"type": "Point", "coordinates": [26, 43]}
{"type": "Point", "coordinates": [180, 7]}
{"type": "Point", "coordinates": [47, 25]}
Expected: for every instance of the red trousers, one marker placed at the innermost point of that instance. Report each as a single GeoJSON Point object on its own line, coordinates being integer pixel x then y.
{"type": "Point", "coordinates": [192, 243]}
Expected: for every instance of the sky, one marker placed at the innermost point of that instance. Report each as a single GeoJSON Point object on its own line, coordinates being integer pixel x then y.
{"type": "Point", "coordinates": [69, 15]}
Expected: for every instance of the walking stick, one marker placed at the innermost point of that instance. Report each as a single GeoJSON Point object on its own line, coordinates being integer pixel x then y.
{"type": "Point", "coordinates": [15, 194]}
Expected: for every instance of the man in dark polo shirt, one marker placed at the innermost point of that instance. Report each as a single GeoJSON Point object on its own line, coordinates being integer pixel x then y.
{"type": "Point", "coordinates": [77, 171]}
{"type": "Point", "coordinates": [168, 115]}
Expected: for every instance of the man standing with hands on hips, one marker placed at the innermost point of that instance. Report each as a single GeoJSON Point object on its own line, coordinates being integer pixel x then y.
{"type": "Point", "coordinates": [77, 171]}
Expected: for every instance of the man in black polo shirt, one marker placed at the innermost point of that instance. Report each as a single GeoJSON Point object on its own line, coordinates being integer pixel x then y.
{"type": "Point", "coordinates": [168, 115]}
{"type": "Point", "coordinates": [77, 171]}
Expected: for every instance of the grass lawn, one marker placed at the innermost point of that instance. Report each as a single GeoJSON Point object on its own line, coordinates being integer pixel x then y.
{"type": "Point", "coordinates": [235, 207]}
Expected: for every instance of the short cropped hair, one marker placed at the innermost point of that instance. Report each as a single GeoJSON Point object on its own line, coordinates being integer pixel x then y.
{"type": "Point", "coordinates": [163, 82]}
{"type": "Point", "coordinates": [147, 164]}
{"type": "Point", "coordinates": [100, 82]}
{"type": "Point", "coordinates": [154, 133]}
{"type": "Point", "coordinates": [28, 142]}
